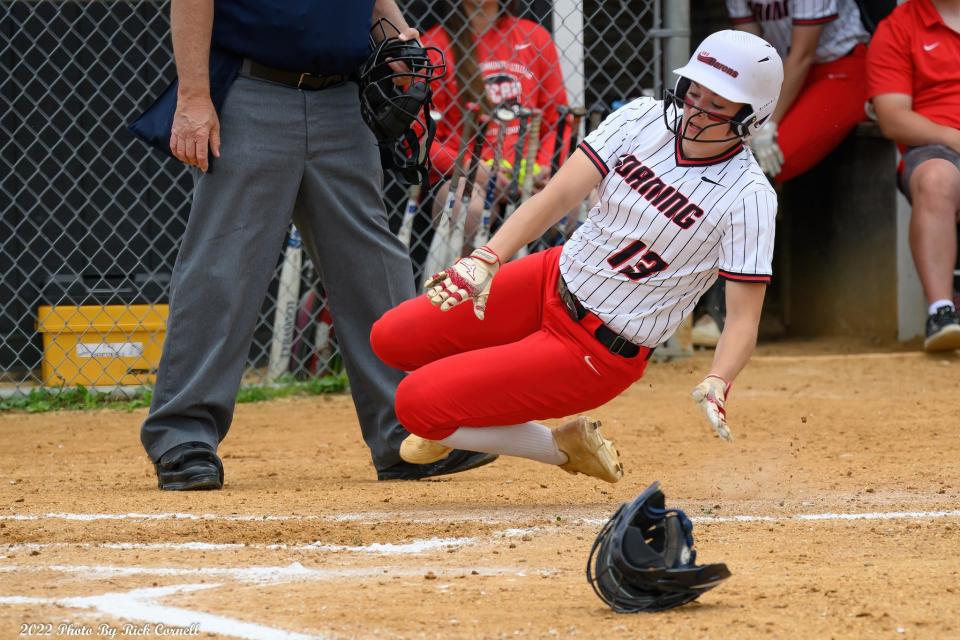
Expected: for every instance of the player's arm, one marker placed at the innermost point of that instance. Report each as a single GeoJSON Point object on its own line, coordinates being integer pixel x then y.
{"type": "Point", "coordinates": [902, 124]}
{"type": "Point", "coordinates": [739, 337]}
{"type": "Point", "coordinates": [750, 27]}
{"type": "Point", "coordinates": [741, 15]}
{"type": "Point", "coordinates": [736, 345]}
{"type": "Point", "coordinates": [803, 48]}
{"type": "Point", "coordinates": [195, 122]}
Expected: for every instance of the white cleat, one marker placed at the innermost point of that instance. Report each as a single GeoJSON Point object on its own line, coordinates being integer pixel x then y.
{"type": "Point", "coordinates": [417, 450]}
{"type": "Point", "coordinates": [587, 451]}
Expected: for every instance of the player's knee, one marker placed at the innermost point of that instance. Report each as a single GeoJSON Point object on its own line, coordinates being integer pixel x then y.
{"type": "Point", "coordinates": [936, 180]}
{"type": "Point", "coordinates": [412, 406]}
{"type": "Point", "coordinates": [386, 340]}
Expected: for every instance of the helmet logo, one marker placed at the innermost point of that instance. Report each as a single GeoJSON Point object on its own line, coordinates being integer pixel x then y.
{"type": "Point", "coordinates": [707, 59]}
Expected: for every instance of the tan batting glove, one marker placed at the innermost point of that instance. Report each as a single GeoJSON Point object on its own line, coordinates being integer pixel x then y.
{"type": "Point", "coordinates": [469, 279]}
{"type": "Point", "coordinates": [767, 151]}
{"type": "Point", "coordinates": [711, 395]}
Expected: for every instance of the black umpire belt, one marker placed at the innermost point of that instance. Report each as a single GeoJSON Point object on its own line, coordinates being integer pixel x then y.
{"type": "Point", "coordinates": [296, 79]}
{"type": "Point", "coordinates": [613, 341]}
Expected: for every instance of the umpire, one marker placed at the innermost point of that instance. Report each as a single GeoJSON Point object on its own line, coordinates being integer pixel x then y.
{"type": "Point", "coordinates": [288, 143]}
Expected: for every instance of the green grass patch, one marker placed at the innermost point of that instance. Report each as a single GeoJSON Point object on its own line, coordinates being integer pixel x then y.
{"type": "Point", "coordinates": [81, 398]}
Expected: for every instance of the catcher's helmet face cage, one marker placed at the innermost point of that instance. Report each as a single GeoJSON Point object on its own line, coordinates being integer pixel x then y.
{"type": "Point", "coordinates": [399, 115]}
{"type": "Point", "coordinates": [738, 66]}
{"type": "Point", "coordinates": [643, 559]}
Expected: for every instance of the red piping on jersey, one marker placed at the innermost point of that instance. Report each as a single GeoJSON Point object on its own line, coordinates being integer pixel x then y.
{"type": "Point", "coordinates": [701, 162]}
{"type": "Point", "coordinates": [595, 159]}
{"type": "Point", "coordinates": [746, 277]}
{"type": "Point", "coordinates": [815, 21]}
{"type": "Point", "coordinates": [743, 20]}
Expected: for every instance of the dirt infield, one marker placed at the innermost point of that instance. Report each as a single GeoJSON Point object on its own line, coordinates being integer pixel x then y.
{"type": "Point", "coordinates": [836, 509]}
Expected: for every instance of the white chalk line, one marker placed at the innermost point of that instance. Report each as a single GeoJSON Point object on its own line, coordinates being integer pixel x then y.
{"type": "Point", "coordinates": [414, 547]}
{"type": "Point", "coordinates": [429, 545]}
{"type": "Point", "coordinates": [378, 548]}
{"type": "Point", "coordinates": [141, 605]}
{"type": "Point", "coordinates": [294, 572]}
{"type": "Point", "coordinates": [491, 518]}
{"type": "Point", "coordinates": [373, 517]}
{"type": "Point", "coordinates": [807, 517]}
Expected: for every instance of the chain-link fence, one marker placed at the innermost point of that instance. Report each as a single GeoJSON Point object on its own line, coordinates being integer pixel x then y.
{"type": "Point", "coordinates": [90, 219]}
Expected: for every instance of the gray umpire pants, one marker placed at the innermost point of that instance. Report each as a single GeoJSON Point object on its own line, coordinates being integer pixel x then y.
{"type": "Point", "coordinates": [285, 154]}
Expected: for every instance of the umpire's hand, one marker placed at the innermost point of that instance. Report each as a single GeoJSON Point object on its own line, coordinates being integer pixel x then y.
{"type": "Point", "coordinates": [196, 128]}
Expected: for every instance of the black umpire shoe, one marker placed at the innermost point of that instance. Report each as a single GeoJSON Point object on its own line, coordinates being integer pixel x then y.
{"type": "Point", "coordinates": [457, 461]}
{"type": "Point", "coordinates": [943, 330]}
{"type": "Point", "coordinates": [193, 466]}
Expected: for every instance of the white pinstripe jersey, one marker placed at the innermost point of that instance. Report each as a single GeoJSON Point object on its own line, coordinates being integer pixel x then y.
{"type": "Point", "coordinates": [842, 29]}
{"type": "Point", "coordinates": [664, 226]}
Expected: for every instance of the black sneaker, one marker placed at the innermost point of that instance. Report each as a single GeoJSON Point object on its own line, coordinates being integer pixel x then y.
{"type": "Point", "coordinates": [943, 330]}
{"type": "Point", "coordinates": [193, 466]}
{"type": "Point", "coordinates": [457, 461]}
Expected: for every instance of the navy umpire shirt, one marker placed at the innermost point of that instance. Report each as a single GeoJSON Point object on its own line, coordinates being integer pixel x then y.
{"type": "Point", "coordinates": [315, 36]}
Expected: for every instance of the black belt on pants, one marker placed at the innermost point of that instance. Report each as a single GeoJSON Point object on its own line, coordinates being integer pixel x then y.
{"type": "Point", "coordinates": [613, 341]}
{"type": "Point", "coordinates": [296, 79]}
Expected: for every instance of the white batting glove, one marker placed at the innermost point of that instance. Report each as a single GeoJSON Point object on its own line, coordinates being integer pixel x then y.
{"type": "Point", "coordinates": [766, 149]}
{"type": "Point", "coordinates": [711, 395]}
{"type": "Point", "coordinates": [469, 279]}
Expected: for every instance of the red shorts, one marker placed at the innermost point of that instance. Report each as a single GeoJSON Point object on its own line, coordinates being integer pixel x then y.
{"type": "Point", "coordinates": [829, 106]}
{"type": "Point", "coordinates": [528, 360]}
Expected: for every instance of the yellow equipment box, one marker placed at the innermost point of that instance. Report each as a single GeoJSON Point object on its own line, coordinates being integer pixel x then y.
{"type": "Point", "coordinates": [101, 345]}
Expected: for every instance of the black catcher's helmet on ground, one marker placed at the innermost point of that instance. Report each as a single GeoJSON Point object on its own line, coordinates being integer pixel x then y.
{"type": "Point", "coordinates": [395, 100]}
{"type": "Point", "coordinates": [643, 559]}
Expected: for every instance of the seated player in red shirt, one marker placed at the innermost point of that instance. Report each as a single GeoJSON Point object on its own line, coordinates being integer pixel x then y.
{"type": "Point", "coordinates": [495, 57]}
{"type": "Point", "coordinates": [914, 81]}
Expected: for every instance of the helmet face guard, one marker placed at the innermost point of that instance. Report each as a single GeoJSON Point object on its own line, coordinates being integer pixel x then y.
{"type": "Point", "coordinates": [674, 101]}
{"type": "Point", "coordinates": [643, 559]}
{"type": "Point", "coordinates": [395, 100]}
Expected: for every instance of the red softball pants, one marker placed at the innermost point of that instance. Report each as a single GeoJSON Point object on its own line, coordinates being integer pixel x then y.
{"type": "Point", "coordinates": [829, 106]}
{"type": "Point", "coordinates": [527, 360]}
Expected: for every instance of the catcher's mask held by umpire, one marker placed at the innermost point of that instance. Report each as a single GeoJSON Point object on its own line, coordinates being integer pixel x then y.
{"type": "Point", "coordinates": [737, 65]}
{"type": "Point", "coordinates": [395, 99]}
{"type": "Point", "coordinates": [643, 559]}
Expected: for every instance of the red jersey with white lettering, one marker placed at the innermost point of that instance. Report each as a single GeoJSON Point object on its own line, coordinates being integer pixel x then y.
{"type": "Point", "coordinates": [665, 226]}
{"type": "Point", "coordinates": [519, 63]}
{"type": "Point", "coordinates": [842, 28]}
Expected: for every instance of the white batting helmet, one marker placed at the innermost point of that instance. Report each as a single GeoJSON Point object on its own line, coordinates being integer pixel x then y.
{"type": "Point", "coordinates": [741, 67]}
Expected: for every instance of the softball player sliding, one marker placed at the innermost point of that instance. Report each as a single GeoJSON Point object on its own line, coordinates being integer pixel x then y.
{"type": "Point", "coordinates": [568, 329]}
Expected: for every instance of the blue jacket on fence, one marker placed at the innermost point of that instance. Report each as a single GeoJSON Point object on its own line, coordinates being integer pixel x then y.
{"type": "Point", "coordinates": [314, 36]}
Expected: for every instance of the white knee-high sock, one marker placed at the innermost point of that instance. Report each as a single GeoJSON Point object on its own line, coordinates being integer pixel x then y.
{"type": "Point", "coordinates": [530, 440]}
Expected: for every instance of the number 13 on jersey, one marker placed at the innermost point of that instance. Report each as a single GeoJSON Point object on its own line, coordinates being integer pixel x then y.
{"type": "Point", "coordinates": [650, 262]}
